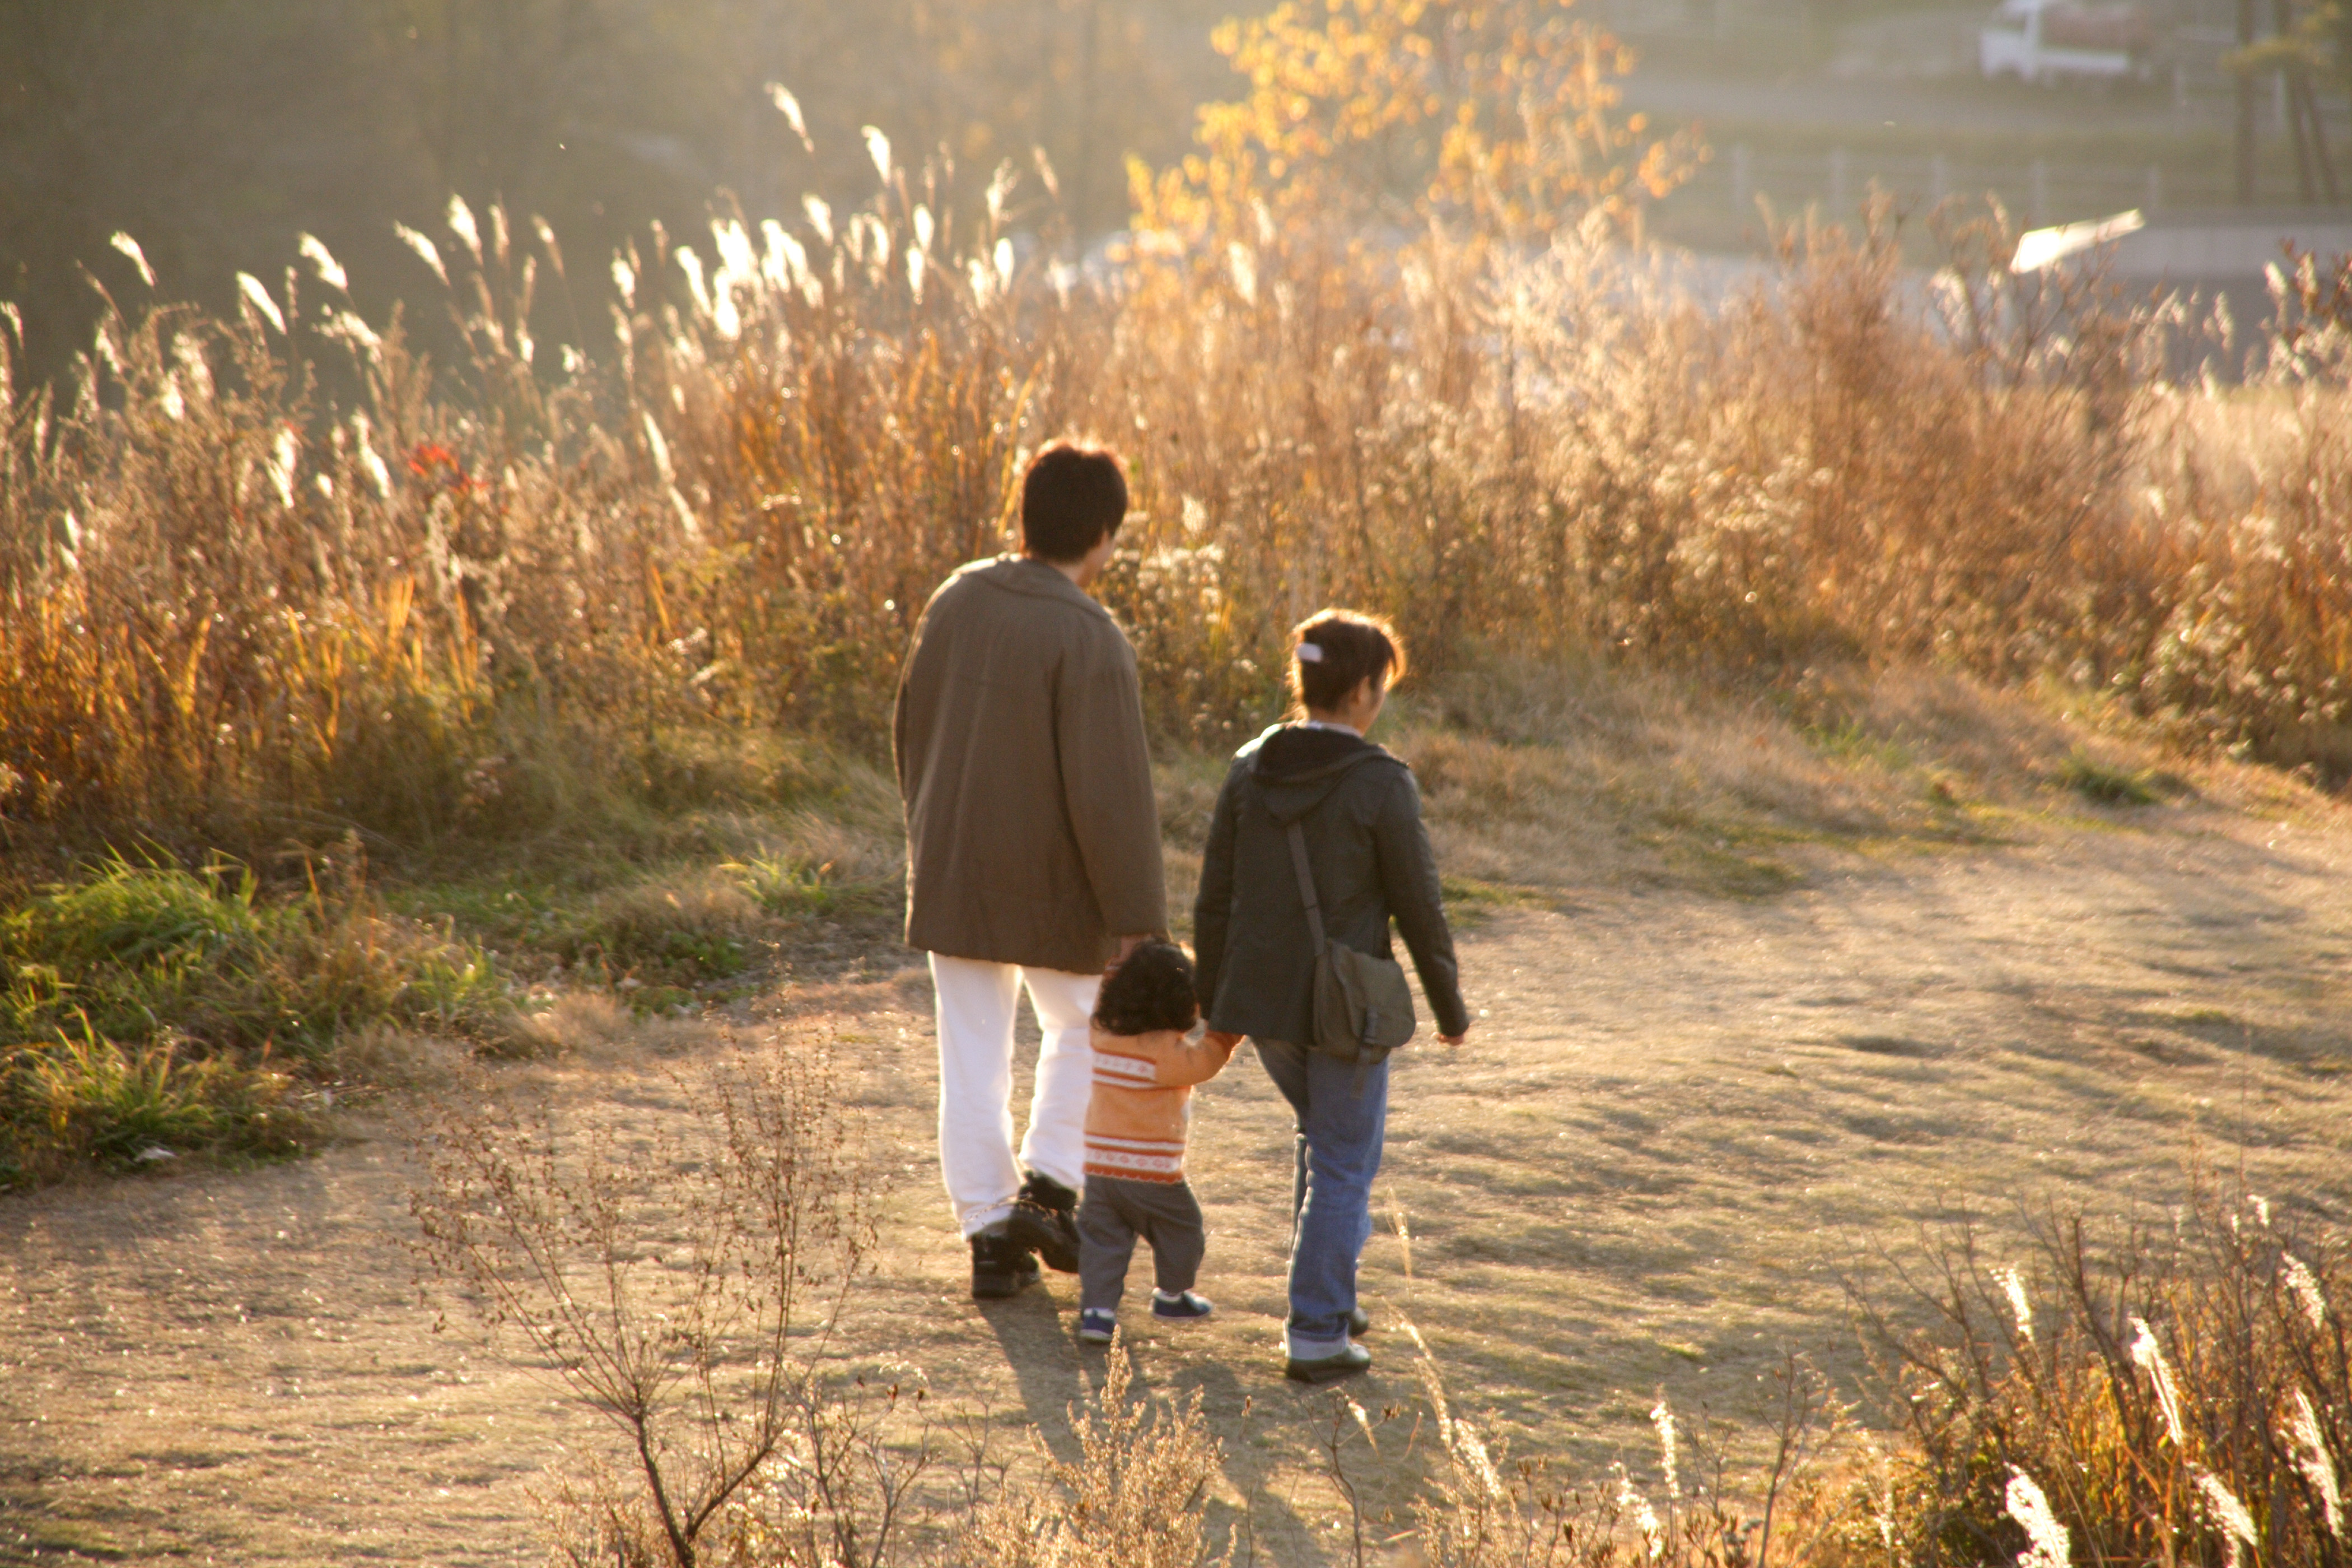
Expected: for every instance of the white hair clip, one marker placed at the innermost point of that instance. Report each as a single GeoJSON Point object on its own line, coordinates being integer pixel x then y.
{"type": "Point", "coordinates": [1310, 653]}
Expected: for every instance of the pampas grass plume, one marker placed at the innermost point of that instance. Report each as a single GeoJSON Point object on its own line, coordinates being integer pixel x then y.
{"type": "Point", "coordinates": [1663, 1419]}
{"type": "Point", "coordinates": [2237, 1524]}
{"type": "Point", "coordinates": [330, 272]}
{"type": "Point", "coordinates": [461, 224]}
{"type": "Point", "coordinates": [2305, 1288]}
{"type": "Point", "coordinates": [2149, 1357]}
{"type": "Point", "coordinates": [2052, 1545]}
{"type": "Point", "coordinates": [258, 297]}
{"type": "Point", "coordinates": [130, 247]}
{"type": "Point", "coordinates": [429, 253]}
{"type": "Point", "coordinates": [2310, 1447]}
{"type": "Point", "coordinates": [790, 108]}
{"type": "Point", "coordinates": [2012, 1285]}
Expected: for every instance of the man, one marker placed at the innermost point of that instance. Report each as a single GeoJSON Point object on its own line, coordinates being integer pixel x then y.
{"type": "Point", "coordinates": [1032, 850]}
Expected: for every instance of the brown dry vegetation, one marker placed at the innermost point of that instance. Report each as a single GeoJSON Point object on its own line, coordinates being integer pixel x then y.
{"type": "Point", "coordinates": [1899, 604]}
{"type": "Point", "coordinates": [243, 608]}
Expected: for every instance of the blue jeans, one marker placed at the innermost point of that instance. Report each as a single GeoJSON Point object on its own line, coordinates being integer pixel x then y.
{"type": "Point", "coordinates": [1343, 1112]}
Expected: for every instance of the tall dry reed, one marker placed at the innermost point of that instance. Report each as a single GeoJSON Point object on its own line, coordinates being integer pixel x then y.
{"type": "Point", "coordinates": [2174, 1393]}
{"type": "Point", "coordinates": [275, 574]}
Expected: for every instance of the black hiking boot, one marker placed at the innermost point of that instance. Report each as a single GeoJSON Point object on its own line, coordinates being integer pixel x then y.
{"type": "Point", "coordinates": [1043, 1220]}
{"type": "Point", "coordinates": [1000, 1267]}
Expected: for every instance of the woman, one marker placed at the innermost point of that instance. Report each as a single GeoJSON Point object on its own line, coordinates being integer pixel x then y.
{"type": "Point", "coordinates": [1360, 813]}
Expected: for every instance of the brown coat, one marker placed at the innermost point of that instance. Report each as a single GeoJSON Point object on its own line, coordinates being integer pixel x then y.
{"type": "Point", "coordinates": [1033, 836]}
{"type": "Point", "coordinates": [1142, 1099]}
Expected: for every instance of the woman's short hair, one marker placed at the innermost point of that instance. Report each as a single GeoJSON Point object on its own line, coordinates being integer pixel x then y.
{"type": "Point", "coordinates": [1153, 989]}
{"type": "Point", "coordinates": [1071, 496]}
{"type": "Point", "coordinates": [1332, 650]}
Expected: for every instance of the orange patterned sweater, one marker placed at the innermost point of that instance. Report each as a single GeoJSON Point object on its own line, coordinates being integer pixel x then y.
{"type": "Point", "coordinates": [1142, 1091]}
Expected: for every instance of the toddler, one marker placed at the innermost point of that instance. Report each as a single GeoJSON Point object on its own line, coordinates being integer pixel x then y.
{"type": "Point", "coordinates": [1145, 1068]}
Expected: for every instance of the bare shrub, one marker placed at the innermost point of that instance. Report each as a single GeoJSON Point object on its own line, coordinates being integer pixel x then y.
{"type": "Point", "coordinates": [685, 1281]}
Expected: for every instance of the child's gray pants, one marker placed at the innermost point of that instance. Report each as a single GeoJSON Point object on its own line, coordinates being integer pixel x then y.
{"type": "Point", "coordinates": [1115, 1212]}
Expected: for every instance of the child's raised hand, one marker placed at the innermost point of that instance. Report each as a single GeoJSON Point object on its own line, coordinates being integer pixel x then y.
{"type": "Point", "coordinates": [1222, 1040]}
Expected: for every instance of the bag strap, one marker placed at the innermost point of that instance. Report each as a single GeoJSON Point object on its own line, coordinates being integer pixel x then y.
{"type": "Point", "coordinates": [1307, 886]}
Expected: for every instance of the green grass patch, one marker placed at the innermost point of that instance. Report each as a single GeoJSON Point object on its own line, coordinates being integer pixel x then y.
{"type": "Point", "coordinates": [1470, 902]}
{"type": "Point", "coordinates": [144, 953]}
{"type": "Point", "coordinates": [150, 1010]}
{"type": "Point", "coordinates": [1849, 740]}
{"type": "Point", "coordinates": [94, 1102]}
{"type": "Point", "coordinates": [2104, 785]}
{"type": "Point", "coordinates": [1726, 870]}
{"type": "Point", "coordinates": [658, 1001]}
{"type": "Point", "coordinates": [797, 888]}
{"type": "Point", "coordinates": [705, 896]}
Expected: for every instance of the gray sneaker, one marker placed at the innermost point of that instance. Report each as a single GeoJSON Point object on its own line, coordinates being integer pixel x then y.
{"type": "Point", "coordinates": [1345, 1362]}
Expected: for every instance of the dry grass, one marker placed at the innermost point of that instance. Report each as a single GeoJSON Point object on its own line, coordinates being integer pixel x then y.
{"type": "Point", "coordinates": [2135, 1392]}
{"type": "Point", "coordinates": [1135, 1496]}
{"type": "Point", "coordinates": [1544, 780]}
{"type": "Point", "coordinates": [683, 1282]}
{"type": "Point", "coordinates": [509, 600]}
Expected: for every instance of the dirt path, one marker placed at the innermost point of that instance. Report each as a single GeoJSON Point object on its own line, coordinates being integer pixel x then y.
{"type": "Point", "coordinates": [1680, 1120]}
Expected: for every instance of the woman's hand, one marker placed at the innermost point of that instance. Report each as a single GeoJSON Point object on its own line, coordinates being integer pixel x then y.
{"type": "Point", "coordinates": [1455, 1039]}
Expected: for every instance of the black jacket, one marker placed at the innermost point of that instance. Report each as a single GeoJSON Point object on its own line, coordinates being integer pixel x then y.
{"type": "Point", "coordinates": [1360, 812]}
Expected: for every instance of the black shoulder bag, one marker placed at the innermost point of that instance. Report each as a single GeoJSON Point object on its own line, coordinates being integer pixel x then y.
{"type": "Point", "coordinates": [1363, 1009]}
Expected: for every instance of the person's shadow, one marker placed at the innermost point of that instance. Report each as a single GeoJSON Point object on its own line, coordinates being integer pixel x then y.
{"type": "Point", "coordinates": [1043, 1355]}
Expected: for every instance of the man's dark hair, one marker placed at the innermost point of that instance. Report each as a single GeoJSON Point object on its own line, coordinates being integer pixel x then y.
{"type": "Point", "coordinates": [1071, 496]}
{"type": "Point", "coordinates": [1152, 990]}
{"type": "Point", "coordinates": [1347, 645]}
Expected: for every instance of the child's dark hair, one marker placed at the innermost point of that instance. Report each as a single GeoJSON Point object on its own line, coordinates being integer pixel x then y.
{"type": "Point", "coordinates": [1333, 650]}
{"type": "Point", "coordinates": [1152, 990]}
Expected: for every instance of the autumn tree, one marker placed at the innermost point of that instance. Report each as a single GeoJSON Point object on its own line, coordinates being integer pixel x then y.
{"type": "Point", "coordinates": [1496, 118]}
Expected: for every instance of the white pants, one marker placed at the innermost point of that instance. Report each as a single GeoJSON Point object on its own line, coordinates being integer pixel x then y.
{"type": "Point", "coordinates": [976, 1002]}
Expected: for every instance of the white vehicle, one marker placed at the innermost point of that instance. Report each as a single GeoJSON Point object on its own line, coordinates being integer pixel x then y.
{"type": "Point", "coordinates": [2048, 41]}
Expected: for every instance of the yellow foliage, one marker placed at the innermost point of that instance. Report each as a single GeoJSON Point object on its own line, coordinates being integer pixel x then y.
{"type": "Point", "coordinates": [1491, 117]}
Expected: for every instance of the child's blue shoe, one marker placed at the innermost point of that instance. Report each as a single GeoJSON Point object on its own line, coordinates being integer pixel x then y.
{"type": "Point", "coordinates": [1096, 1325]}
{"type": "Point", "coordinates": [1181, 1305]}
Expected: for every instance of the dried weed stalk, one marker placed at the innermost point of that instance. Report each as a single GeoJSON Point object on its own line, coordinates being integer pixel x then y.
{"type": "Point", "coordinates": [684, 1280]}
{"type": "Point", "coordinates": [1135, 1498]}
{"type": "Point", "coordinates": [2178, 1392]}
{"type": "Point", "coordinates": [1485, 1509]}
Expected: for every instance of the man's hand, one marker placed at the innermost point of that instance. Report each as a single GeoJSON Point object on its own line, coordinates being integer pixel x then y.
{"type": "Point", "coordinates": [1222, 1040]}
{"type": "Point", "coordinates": [1454, 1040]}
{"type": "Point", "coordinates": [1127, 946]}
